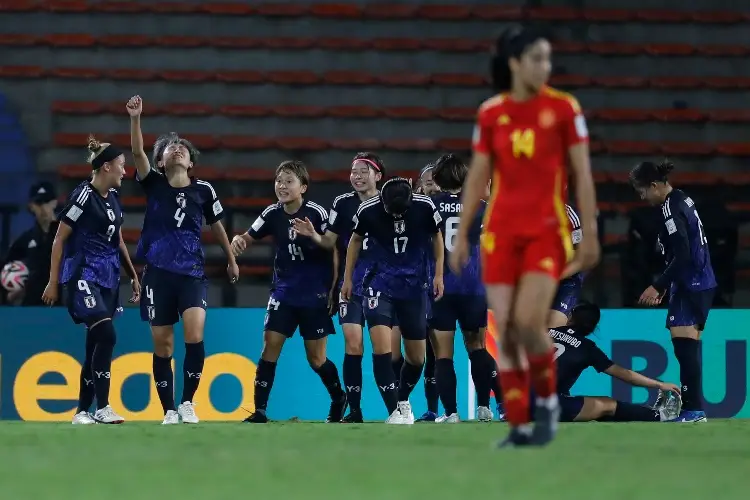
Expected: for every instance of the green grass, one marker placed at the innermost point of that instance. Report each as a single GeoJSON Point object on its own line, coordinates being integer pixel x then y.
{"type": "Point", "coordinates": [372, 461]}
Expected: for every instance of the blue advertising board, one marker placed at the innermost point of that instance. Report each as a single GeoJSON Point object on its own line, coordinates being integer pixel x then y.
{"type": "Point", "coordinates": [41, 351]}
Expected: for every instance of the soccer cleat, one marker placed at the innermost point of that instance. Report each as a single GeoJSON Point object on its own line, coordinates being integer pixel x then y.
{"type": "Point", "coordinates": [186, 411]}
{"type": "Point", "coordinates": [354, 417]}
{"type": "Point", "coordinates": [668, 405]}
{"type": "Point", "coordinates": [484, 414]}
{"type": "Point", "coordinates": [257, 417]}
{"type": "Point", "coordinates": [171, 418]}
{"type": "Point", "coordinates": [501, 413]}
{"type": "Point", "coordinates": [448, 419]}
{"type": "Point", "coordinates": [337, 410]}
{"type": "Point", "coordinates": [83, 418]}
{"type": "Point", "coordinates": [428, 416]}
{"type": "Point", "coordinates": [107, 415]}
{"type": "Point", "coordinates": [546, 418]}
{"type": "Point", "coordinates": [402, 415]}
{"type": "Point", "coordinates": [516, 438]}
{"type": "Point", "coordinates": [691, 416]}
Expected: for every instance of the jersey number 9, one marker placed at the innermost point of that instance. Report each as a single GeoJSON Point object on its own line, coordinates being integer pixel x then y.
{"type": "Point", "coordinates": [110, 232]}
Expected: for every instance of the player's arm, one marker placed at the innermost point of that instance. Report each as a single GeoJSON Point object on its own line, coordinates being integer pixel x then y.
{"type": "Point", "coordinates": [438, 249]}
{"type": "Point", "coordinates": [258, 230]}
{"type": "Point", "coordinates": [352, 253]}
{"type": "Point", "coordinates": [142, 165]}
{"type": "Point", "coordinates": [327, 239]}
{"type": "Point", "coordinates": [636, 379]}
{"type": "Point", "coordinates": [679, 244]}
{"type": "Point", "coordinates": [50, 294]}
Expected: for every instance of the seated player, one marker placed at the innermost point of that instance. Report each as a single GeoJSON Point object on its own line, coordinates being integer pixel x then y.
{"type": "Point", "coordinates": [569, 290]}
{"type": "Point", "coordinates": [88, 245]}
{"type": "Point", "coordinates": [574, 352]}
{"type": "Point", "coordinates": [400, 227]}
{"type": "Point", "coordinates": [366, 172]}
{"type": "Point", "coordinates": [302, 272]}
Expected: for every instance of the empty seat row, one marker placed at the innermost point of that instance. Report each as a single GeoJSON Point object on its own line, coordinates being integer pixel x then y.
{"type": "Point", "coordinates": [246, 142]}
{"type": "Point", "coordinates": [402, 79]}
{"type": "Point", "coordinates": [382, 10]}
{"type": "Point", "coordinates": [357, 44]}
{"type": "Point", "coordinates": [620, 207]}
{"type": "Point", "coordinates": [397, 112]}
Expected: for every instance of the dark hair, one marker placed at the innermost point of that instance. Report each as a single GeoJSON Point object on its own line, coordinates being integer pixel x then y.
{"type": "Point", "coordinates": [585, 317]}
{"type": "Point", "coordinates": [172, 138]}
{"type": "Point", "coordinates": [372, 160]}
{"type": "Point", "coordinates": [450, 172]}
{"type": "Point", "coordinates": [511, 44]}
{"type": "Point", "coordinates": [296, 168]}
{"type": "Point", "coordinates": [396, 195]}
{"type": "Point", "coordinates": [648, 172]}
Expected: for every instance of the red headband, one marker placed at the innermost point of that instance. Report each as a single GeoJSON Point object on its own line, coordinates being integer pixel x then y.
{"type": "Point", "coordinates": [370, 162]}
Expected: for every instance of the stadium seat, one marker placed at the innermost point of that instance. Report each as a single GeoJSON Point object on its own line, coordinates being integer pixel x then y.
{"type": "Point", "coordinates": [458, 80]}
{"type": "Point", "coordinates": [341, 43]}
{"type": "Point", "coordinates": [19, 6]}
{"type": "Point", "coordinates": [286, 43]}
{"type": "Point", "coordinates": [76, 73]}
{"type": "Point", "coordinates": [250, 174]}
{"type": "Point", "coordinates": [226, 8]}
{"type": "Point", "coordinates": [554, 14]}
{"type": "Point", "coordinates": [348, 78]}
{"type": "Point", "coordinates": [246, 142]}
{"type": "Point", "coordinates": [282, 10]}
{"type": "Point", "coordinates": [185, 42]}
{"type": "Point", "coordinates": [298, 111]}
{"type": "Point", "coordinates": [454, 144]}
{"type": "Point", "coordinates": [173, 7]}
{"type": "Point", "coordinates": [670, 49]}
{"type": "Point", "coordinates": [21, 71]}
{"type": "Point", "coordinates": [621, 115]}
{"type": "Point", "coordinates": [64, 5]}
{"type": "Point", "coordinates": [132, 74]}
{"type": "Point", "coordinates": [631, 147]}
{"type": "Point", "coordinates": [677, 82]}
{"type": "Point", "coordinates": [625, 82]}
{"type": "Point", "coordinates": [186, 75]}
{"type": "Point", "coordinates": [119, 7]}
{"type": "Point", "coordinates": [694, 178]}
{"type": "Point", "coordinates": [570, 81]}
{"type": "Point", "coordinates": [454, 45]}
{"type": "Point", "coordinates": [729, 115]}
{"type": "Point", "coordinates": [457, 114]}
{"type": "Point", "coordinates": [614, 48]}
{"type": "Point", "coordinates": [717, 17]}
{"type": "Point", "coordinates": [74, 171]}
{"type": "Point", "coordinates": [77, 107]}
{"type": "Point", "coordinates": [354, 112]}
{"type": "Point", "coordinates": [409, 113]}
{"type": "Point", "coordinates": [723, 50]}
{"type": "Point", "coordinates": [568, 47]}
{"type": "Point", "coordinates": [734, 149]}
{"type": "Point", "coordinates": [124, 40]}
{"type": "Point", "coordinates": [336, 10]}
{"type": "Point", "coordinates": [678, 115]}
{"type": "Point", "coordinates": [249, 203]}
{"type": "Point", "coordinates": [397, 44]}
{"type": "Point", "coordinates": [301, 144]}
{"type": "Point", "coordinates": [444, 12]}
{"type": "Point", "coordinates": [662, 16]}
{"type": "Point", "coordinates": [608, 15]}
{"type": "Point", "coordinates": [355, 144]}
{"type": "Point", "coordinates": [686, 149]}
{"type": "Point", "coordinates": [235, 42]}
{"type": "Point", "coordinates": [497, 12]}
{"type": "Point", "coordinates": [19, 40]}
{"type": "Point", "coordinates": [187, 109]}
{"type": "Point", "coordinates": [293, 77]}
{"type": "Point", "coordinates": [404, 79]}
{"type": "Point", "coordinates": [409, 144]}
{"type": "Point", "coordinates": [246, 111]}
{"type": "Point", "coordinates": [377, 10]}
{"type": "Point", "coordinates": [729, 82]}
{"type": "Point", "coordinates": [241, 76]}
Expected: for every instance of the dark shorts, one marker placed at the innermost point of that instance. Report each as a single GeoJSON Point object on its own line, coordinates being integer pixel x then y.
{"type": "Point", "coordinates": [314, 323]}
{"type": "Point", "coordinates": [570, 407]}
{"type": "Point", "coordinates": [167, 295]}
{"type": "Point", "coordinates": [469, 311]}
{"type": "Point", "coordinates": [410, 315]}
{"type": "Point", "coordinates": [351, 313]}
{"type": "Point", "coordinates": [566, 298]}
{"type": "Point", "coordinates": [88, 303]}
{"type": "Point", "coordinates": [689, 308]}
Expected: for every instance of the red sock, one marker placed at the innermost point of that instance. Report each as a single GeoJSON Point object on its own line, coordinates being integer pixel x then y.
{"type": "Point", "coordinates": [543, 373]}
{"type": "Point", "coordinates": [515, 385]}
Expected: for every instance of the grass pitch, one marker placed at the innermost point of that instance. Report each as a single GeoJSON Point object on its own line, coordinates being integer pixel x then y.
{"type": "Point", "coordinates": [301, 460]}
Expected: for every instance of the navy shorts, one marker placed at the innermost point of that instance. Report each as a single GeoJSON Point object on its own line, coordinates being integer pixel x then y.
{"type": "Point", "coordinates": [688, 308]}
{"type": "Point", "coordinates": [410, 315]}
{"type": "Point", "coordinates": [351, 313]}
{"type": "Point", "coordinates": [567, 297]}
{"type": "Point", "coordinates": [89, 303]}
{"type": "Point", "coordinates": [167, 295]}
{"type": "Point", "coordinates": [314, 323]}
{"type": "Point", "coordinates": [469, 311]}
{"type": "Point", "coordinates": [570, 407]}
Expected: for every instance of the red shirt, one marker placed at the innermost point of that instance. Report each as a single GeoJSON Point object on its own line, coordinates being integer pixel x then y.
{"type": "Point", "coordinates": [528, 143]}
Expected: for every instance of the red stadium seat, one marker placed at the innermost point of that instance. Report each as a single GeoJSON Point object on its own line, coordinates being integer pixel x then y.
{"type": "Point", "coordinates": [186, 75]}
{"type": "Point", "coordinates": [235, 42]}
{"type": "Point", "coordinates": [396, 44]}
{"type": "Point", "coordinates": [65, 5]}
{"type": "Point", "coordinates": [124, 40]}
{"type": "Point", "coordinates": [631, 147]}
{"type": "Point", "coordinates": [554, 14]}
{"type": "Point", "coordinates": [614, 48]}
{"type": "Point", "coordinates": [570, 81]}
{"type": "Point", "coordinates": [454, 45]}
{"type": "Point", "coordinates": [694, 179]}
{"type": "Point", "coordinates": [596, 147]}
{"type": "Point", "coordinates": [249, 203]}
{"type": "Point", "coordinates": [342, 43]}
{"type": "Point", "coordinates": [250, 174]}
{"type": "Point", "coordinates": [717, 17]}
{"type": "Point", "coordinates": [459, 80]}
{"type": "Point", "coordinates": [19, 6]}
{"type": "Point", "coordinates": [729, 82]}
{"type": "Point", "coordinates": [355, 144]}
{"type": "Point", "coordinates": [241, 76]}
{"type": "Point", "coordinates": [187, 109]}
{"type": "Point", "coordinates": [209, 173]}
{"type": "Point", "coordinates": [625, 82]}
{"type": "Point", "coordinates": [77, 107]}
{"type": "Point", "coordinates": [119, 7]}
{"type": "Point", "coordinates": [670, 49]}
{"type": "Point", "coordinates": [686, 149]}
{"type": "Point", "coordinates": [301, 144]}
{"type": "Point", "coordinates": [246, 142]}
{"type": "Point", "coordinates": [458, 114]}
{"type": "Point", "coordinates": [293, 77]}
{"type": "Point", "coordinates": [298, 111]}
{"type": "Point", "coordinates": [186, 42]}
{"type": "Point", "coordinates": [444, 12]}
{"type": "Point", "coordinates": [248, 271]}
{"type": "Point", "coordinates": [336, 10]}
{"type": "Point", "coordinates": [729, 115]}
{"type": "Point", "coordinates": [245, 111]}
{"type": "Point", "coordinates": [288, 43]}
{"type": "Point", "coordinates": [621, 115]}
{"type": "Point", "coordinates": [568, 47]}
{"type": "Point", "coordinates": [377, 10]}
{"type": "Point", "coordinates": [678, 115]}
{"type": "Point", "coordinates": [77, 73]}
{"type": "Point", "coordinates": [348, 78]}
{"type": "Point", "coordinates": [404, 79]}
{"type": "Point", "coordinates": [20, 40]}
{"type": "Point", "coordinates": [353, 112]}
{"type": "Point", "coordinates": [227, 8]}
{"type": "Point", "coordinates": [735, 178]}
{"type": "Point", "coordinates": [608, 15]}
{"type": "Point", "coordinates": [450, 144]}
{"type": "Point", "coordinates": [723, 50]}
{"type": "Point", "coordinates": [663, 16]}
{"type": "Point", "coordinates": [204, 141]}
{"type": "Point", "coordinates": [410, 144]}
{"type": "Point", "coordinates": [677, 82]}
{"type": "Point", "coordinates": [409, 113]}
{"type": "Point", "coordinates": [132, 74]}
{"type": "Point", "coordinates": [74, 171]}
{"type": "Point", "coordinates": [600, 177]}
{"type": "Point", "coordinates": [282, 10]}
{"type": "Point", "coordinates": [69, 140]}
{"type": "Point", "coordinates": [734, 149]}
{"type": "Point", "coordinates": [174, 7]}
{"type": "Point", "coordinates": [497, 12]}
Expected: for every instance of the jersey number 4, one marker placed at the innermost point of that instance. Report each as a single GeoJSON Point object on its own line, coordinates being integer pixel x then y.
{"type": "Point", "coordinates": [523, 142]}
{"type": "Point", "coordinates": [179, 216]}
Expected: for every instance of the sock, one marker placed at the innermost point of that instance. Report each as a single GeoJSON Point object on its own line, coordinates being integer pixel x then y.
{"type": "Point", "coordinates": [495, 385]}
{"type": "Point", "coordinates": [430, 382]}
{"type": "Point", "coordinates": [353, 380]}
{"type": "Point", "coordinates": [192, 368]}
{"type": "Point", "coordinates": [543, 373]}
{"type": "Point", "coordinates": [515, 385]}
{"type": "Point", "coordinates": [409, 378]}
{"type": "Point", "coordinates": [164, 379]}
{"type": "Point", "coordinates": [86, 388]}
{"type": "Point", "coordinates": [384, 377]}
{"type": "Point", "coordinates": [447, 383]}
{"type": "Point", "coordinates": [481, 375]}
{"type": "Point", "coordinates": [101, 361]}
{"type": "Point", "coordinates": [628, 412]}
{"type": "Point", "coordinates": [397, 364]}
{"type": "Point", "coordinates": [687, 352]}
{"type": "Point", "coordinates": [264, 376]}
{"type": "Point", "coordinates": [329, 375]}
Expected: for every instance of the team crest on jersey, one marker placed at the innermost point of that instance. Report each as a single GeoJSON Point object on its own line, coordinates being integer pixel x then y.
{"type": "Point", "coordinates": [292, 234]}
{"type": "Point", "coordinates": [372, 302]}
{"type": "Point", "coordinates": [89, 301]}
{"type": "Point", "coordinates": [547, 118]}
{"type": "Point", "coordinates": [181, 201]}
{"type": "Point", "coordinates": [342, 309]}
{"type": "Point", "coordinates": [399, 226]}
{"type": "Point", "coordinates": [111, 214]}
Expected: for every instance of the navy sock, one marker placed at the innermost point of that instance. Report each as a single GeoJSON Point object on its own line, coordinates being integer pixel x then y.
{"type": "Point", "coordinates": [384, 377]}
{"type": "Point", "coordinates": [482, 365]}
{"type": "Point", "coordinates": [101, 360]}
{"type": "Point", "coordinates": [264, 377]}
{"type": "Point", "coordinates": [192, 369]}
{"type": "Point", "coordinates": [431, 392]}
{"type": "Point", "coordinates": [687, 352]}
{"type": "Point", "coordinates": [447, 383]}
{"type": "Point", "coordinates": [353, 379]}
{"type": "Point", "coordinates": [628, 412]}
{"type": "Point", "coordinates": [397, 364]}
{"type": "Point", "coordinates": [86, 389]}
{"type": "Point", "coordinates": [329, 374]}
{"type": "Point", "coordinates": [164, 379]}
{"type": "Point", "coordinates": [409, 378]}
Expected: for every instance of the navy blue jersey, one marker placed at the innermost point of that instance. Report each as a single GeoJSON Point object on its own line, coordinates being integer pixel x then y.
{"type": "Point", "coordinates": [576, 234]}
{"type": "Point", "coordinates": [684, 245]}
{"type": "Point", "coordinates": [573, 354]}
{"type": "Point", "coordinates": [470, 281]}
{"type": "Point", "coordinates": [171, 235]}
{"type": "Point", "coordinates": [302, 270]}
{"type": "Point", "coordinates": [398, 246]}
{"type": "Point", "coordinates": [92, 252]}
{"type": "Point", "coordinates": [341, 222]}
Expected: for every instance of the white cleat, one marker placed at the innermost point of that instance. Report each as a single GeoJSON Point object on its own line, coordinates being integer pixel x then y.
{"type": "Point", "coordinates": [448, 419]}
{"type": "Point", "coordinates": [83, 418]}
{"type": "Point", "coordinates": [171, 418]}
{"type": "Point", "coordinates": [402, 415]}
{"type": "Point", "coordinates": [107, 415]}
{"type": "Point", "coordinates": [484, 414]}
{"type": "Point", "coordinates": [187, 414]}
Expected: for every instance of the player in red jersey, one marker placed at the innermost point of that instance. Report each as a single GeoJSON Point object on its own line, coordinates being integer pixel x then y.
{"type": "Point", "coordinates": [525, 136]}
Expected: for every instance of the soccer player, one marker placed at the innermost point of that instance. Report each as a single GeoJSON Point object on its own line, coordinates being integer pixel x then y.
{"type": "Point", "coordinates": [85, 258]}
{"type": "Point", "coordinates": [400, 227]}
{"type": "Point", "coordinates": [464, 300]}
{"type": "Point", "coordinates": [174, 280]}
{"type": "Point", "coordinates": [569, 290]}
{"type": "Point", "coordinates": [525, 136]}
{"type": "Point", "coordinates": [302, 276]}
{"type": "Point", "coordinates": [688, 276]}
{"type": "Point", "coordinates": [574, 352]}
{"type": "Point", "coordinates": [366, 172]}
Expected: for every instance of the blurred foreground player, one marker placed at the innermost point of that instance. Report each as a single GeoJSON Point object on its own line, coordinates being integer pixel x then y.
{"type": "Point", "coordinates": [569, 290]}
{"type": "Point", "coordinates": [525, 137]}
{"type": "Point", "coordinates": [688, 277]}
{"type": "Point", "coordinates": [401, 227]}
{"type": "Point", "coordinates": [88, 245]}
{"type": "Point", "coordinates": [302, 272]}
{"type": "Point", "coordinates": [174, 279]}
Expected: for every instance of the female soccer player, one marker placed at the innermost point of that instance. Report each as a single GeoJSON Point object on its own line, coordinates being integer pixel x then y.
{"type": "Point", "coordinates": [302, 273]}
{"type": "Point", "coordinates": [524, 137]}
{"type": "Point", "coordinates": [366, 172]}
{"type": "Point", "coordinates": [88, 245]}
{"type": "Point", "coordinates": [688, 276]}
{"type": "Point", "coordinates": [569, 290]}
{"type": "Point", "coordinates": [174, 280]}
{"type": "Point", "coordinates": [400, 227]}
{"type": "Point", "coordinates": [575, 352]}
